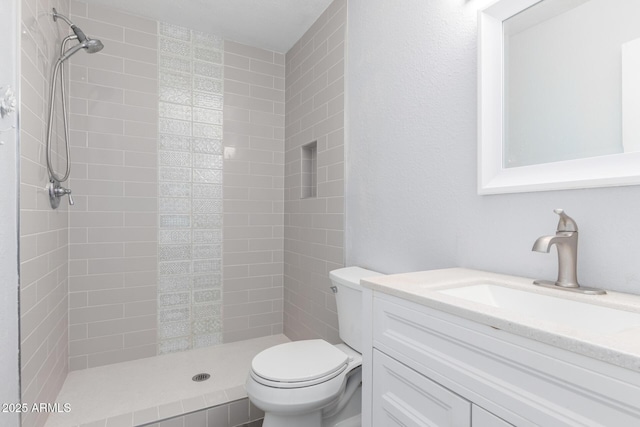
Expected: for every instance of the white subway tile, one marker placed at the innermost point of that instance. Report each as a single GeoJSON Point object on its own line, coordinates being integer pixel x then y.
{"type": "Point", "coordinates": [96, 250]}
{"type": "Point", "coordinates": [141, 38]}
{"type": "Point", "coordinates": [96, 92]}
{"type": "Point", "coordinates": [268, 68]}
{"type": "Point", "coordinates": [107, 14]}
{"type": "Point", "coordinates": [94, 314]}
{"type": "Point", "coordinates": [248, 51]}
{"type": "Point", "coordinates": [99, 29]}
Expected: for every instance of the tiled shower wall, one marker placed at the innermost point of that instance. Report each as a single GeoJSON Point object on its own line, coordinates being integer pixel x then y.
{"type": "Point", "coordinates": [113, 225]}
{"type": "Point", "coordinates": [43, 231]}
{"type": "Point", "coordinates": [148, 204]}
{"type": "Point", "coordinates": [314, 225]}
{"type": "Point", "coordinates": [253, 191]}
{"type": "Point", "coordinates": [190, 189]}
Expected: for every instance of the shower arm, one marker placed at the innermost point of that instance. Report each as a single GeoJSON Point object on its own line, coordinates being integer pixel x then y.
{"type": "Point", "coordinates": [57, 15]}
{"type": "Point", "coordinates": [77, 31]}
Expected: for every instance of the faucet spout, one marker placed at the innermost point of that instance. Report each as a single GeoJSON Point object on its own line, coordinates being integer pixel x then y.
{"type": "Point", "coordinates": [544, 243]}
{"type": "Point", "coordinates": [567, 245]}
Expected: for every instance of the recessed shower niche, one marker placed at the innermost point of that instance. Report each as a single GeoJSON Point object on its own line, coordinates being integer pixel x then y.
{"type": "Point", "coordinates": [308, 170]}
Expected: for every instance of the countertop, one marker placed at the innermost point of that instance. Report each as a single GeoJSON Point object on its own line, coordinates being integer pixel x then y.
{"type": "Point", "coordinates": [621, 348]}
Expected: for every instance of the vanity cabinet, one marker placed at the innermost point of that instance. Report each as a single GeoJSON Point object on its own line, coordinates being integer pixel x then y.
{"type": "Point", "coordinates": [482, 418]}
{"type": "Point", "coordinates": [427, 367]}
{"type": "Point", "coordinates": [402, 397]}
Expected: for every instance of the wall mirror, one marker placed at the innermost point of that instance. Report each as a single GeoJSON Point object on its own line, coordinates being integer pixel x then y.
{"type": "Point", "coordinates": [559, 95]}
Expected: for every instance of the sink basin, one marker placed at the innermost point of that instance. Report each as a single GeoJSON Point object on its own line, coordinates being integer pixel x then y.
{"type": "Point", "coordinates": [567, 312]}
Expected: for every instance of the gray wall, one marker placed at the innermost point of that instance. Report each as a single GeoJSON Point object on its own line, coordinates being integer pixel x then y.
{"type": "Point", "coordinates": [113, 228]}
{"type": "Point", "coordinates": [314, 219]}
{"type": "Point", "coordinates": [44, 250]}
{"type": "Point", "coordinates": [253, 194]}
{"type": "Point", "coordinates": [411, 161]}
{"type": "Point", "coordinates": [9, 392]}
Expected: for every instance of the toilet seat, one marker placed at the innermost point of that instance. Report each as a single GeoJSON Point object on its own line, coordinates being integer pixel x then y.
{"type": "Point", "coordinates": [298, 364]}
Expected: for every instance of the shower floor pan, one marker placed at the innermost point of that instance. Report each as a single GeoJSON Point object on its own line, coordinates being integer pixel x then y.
{"type": "Point", "coordinates": [153, 390]}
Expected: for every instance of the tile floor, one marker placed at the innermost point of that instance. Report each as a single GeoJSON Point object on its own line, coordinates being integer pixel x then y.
{"type": "Point", "coordinates": [148, 390]}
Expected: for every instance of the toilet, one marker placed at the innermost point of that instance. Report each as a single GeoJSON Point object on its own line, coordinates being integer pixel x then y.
{"type": "Point", "coordinates": [313, 383]}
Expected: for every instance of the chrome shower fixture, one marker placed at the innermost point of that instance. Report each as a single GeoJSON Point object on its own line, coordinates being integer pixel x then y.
{"type": "Point", "coordinates": [56, 190]}
{"type": "Point", "coordinates": [84, 42]}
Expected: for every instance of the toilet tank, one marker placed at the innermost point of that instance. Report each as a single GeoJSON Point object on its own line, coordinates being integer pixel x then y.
{"type": "Point", "coordinates": [349, 301]}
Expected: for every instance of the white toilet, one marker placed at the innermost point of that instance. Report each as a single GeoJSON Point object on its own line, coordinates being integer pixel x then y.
{"type": "Point", "coordinates": [312, 383]}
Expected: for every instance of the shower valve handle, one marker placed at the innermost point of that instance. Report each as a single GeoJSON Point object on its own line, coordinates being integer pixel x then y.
{"type": "Point", "coordinates": [56, 191]}
{"type": "Point", "coordinates": [61, 191]}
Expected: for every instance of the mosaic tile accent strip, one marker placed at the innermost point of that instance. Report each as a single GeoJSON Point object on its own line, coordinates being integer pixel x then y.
{"type": "Point", "coordinates": [180, 80]}
{"type": "Point", "coordinates": [207, 281]}
{"type": "Point", "coordinates": [207, 69]}
{"type": "Point", "coordinates": [174, 236]}
{"type": "Point", "coordinates": [207, 236]}
{"type": "Point", "coordinates": [207, 191]}
{"type": "Point", "coordinates": [175, 143]}
{"type": "Point", "coordinates": [175, 32]}
{"type": "Point", "coordinates": [169, 284]}
{"type": "Point", "coordinates": [190, 77]}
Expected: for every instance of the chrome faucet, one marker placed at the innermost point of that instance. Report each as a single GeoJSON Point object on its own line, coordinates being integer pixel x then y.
{"type": "Point", "coordinates": [566, 241]}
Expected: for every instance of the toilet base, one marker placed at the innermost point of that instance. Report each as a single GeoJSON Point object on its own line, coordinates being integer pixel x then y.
{"type": "Point", "coordinates": [350, 415]}
{"type": "Point", "coordinates": [355, 421]}
{"type": "Point", "coordinates": [313, 419]}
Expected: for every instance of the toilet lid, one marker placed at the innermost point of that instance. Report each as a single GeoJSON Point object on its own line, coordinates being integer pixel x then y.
{"type": "Point", "coordinates": [299, 361]}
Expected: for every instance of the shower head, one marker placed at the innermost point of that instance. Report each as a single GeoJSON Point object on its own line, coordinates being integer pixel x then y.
{"type": "Point", "coordinates": [90, 45]}
{"type": "Point", "coordinates": [93, 45]}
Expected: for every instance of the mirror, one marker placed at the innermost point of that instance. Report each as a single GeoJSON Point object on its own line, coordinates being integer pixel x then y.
{"type": "Point", "coordinates": [559, 95]}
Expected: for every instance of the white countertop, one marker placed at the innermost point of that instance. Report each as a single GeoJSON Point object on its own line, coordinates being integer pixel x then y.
{"type": "Point", "coordinates": [621, 348]}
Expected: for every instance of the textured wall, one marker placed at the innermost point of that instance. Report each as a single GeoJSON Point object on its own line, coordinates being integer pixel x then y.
{"type": "Point", "coordinates": [314, 225]}
{"type": "Point", "coordinates": [411, 193]}
{"type": "Point", "coordinates": [43, 231]}
{"type": "Point", "coordinates": [113, 225]}
{"type": "Point", "coordinates": [190, 189]}
{"type": "Point", "coordinates": [9, 363]}
{"type": "Point", "coordinates": [253, 191]}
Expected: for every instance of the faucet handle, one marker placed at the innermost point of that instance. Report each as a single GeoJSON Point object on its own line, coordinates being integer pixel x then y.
{"type": "Point", "coordinates": [566, 223]}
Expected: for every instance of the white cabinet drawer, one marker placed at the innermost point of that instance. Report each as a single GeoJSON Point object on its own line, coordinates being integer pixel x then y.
{"type": "Point", "coordinates": [403, 397]}
{"type": "Point", "coordinates": [525, 382]}
{"type": "Point", "coordinates": [482, 418]}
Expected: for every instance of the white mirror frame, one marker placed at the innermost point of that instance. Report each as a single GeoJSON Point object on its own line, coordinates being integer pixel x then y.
{"type": "Point", "coordinates": [493, 177]}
